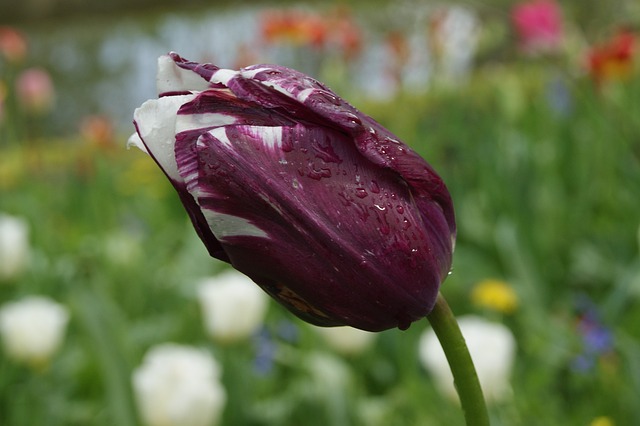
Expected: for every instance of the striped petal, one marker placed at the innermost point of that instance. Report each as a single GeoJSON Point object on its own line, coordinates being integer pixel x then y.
{"type": "Point", "coordinates": [320, 205]}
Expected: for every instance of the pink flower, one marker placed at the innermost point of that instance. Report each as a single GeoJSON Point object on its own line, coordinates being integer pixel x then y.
{"type": "Point", "coordinates": [538, 24]}
{"type": "Point", "coordinates": [35, 90]}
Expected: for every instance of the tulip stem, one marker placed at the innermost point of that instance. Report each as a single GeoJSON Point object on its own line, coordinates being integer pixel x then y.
{"type": "Point", "coordinates": [446, 327]}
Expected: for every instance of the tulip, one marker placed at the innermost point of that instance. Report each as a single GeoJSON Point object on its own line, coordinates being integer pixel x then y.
{"type": "Point", "coordinates": [13, 44]}
{"type": "Point", "coordinates": [35, 91]}
{"type": "Point", "coordinates": [32, 329]}
{"type": "Point", "coordinates": [178, 386]}
{"type": "Point", "coordinates": [492, 348]}
{"type": "Point", "coordinates": [614, 59]}
{"type": "Point", "coordinates": [294, 26]}
{"type": "Point", "coordinates": [14, 246]}
{"type": "Point", "coordinates": [316, 202]}
{"type": "Point", "coordinates": [233, 307]}
{"type": "Point", "coordinates": [539, 25]}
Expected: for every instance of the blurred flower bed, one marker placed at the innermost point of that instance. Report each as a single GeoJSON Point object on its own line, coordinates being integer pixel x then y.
{"type": "Point", "coordinates": [111, 311]}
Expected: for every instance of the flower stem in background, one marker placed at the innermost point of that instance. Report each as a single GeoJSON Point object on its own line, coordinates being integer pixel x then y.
{"type": "Point", "coordinates": [465, 378]}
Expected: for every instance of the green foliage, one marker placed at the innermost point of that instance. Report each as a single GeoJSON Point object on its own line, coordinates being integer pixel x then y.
{"type": "Point", "coordinates": [546, 197]}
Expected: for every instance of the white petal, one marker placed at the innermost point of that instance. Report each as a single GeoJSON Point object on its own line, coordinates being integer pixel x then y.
{"type": "Point", "coordinates": [156, 122]}
{"type": "Point", "coordinates": [223, 76]}
{"type": "Point", "coordinates": [303, 95]}
{"type": "Point", "coordinates": [197, 121]}
{"type": "Point", "coordinates": [233, 306]}
{"type": "Point", "coordinates": [225, 225]}
{"type": "Point", "coordinates": [172, 78]}
{"type": "Point", "coordinates": [134, 140]}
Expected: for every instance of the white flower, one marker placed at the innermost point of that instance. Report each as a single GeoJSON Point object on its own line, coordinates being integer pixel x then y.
{"type": "Point", "coordinates": [233, 306]}
{"type": "Point", "coordinates": [492, 347]}
{"type": "Point", "coordinates": [32, 329]}
{"type": "Point", "coordinates": [178, 386]}
{"type": "Point", "coordinates": [330, 374]}
{"type": "Point", "coordinates": [14, 246]}
{"type": "Point", "coordinates": [346, 340]}
{"type": "Point", "coordinates": [122, 248]}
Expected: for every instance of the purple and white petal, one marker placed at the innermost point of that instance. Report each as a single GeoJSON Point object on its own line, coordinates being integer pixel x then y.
{"type": "Point", "coordinates": [316, 202]}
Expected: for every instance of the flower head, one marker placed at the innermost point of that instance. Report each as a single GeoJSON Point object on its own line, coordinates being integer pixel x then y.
{"type": "Point", "coordinates": [32, 329]}
{"type": "Point", "coordinates": [294, 26]}
{"type": "Point", "coordinates": [602, 421]}
{"type": "Point", "coordinates": [597, 340]}
{"type": "Point", "coordinates": [613, 59]}
{"type": "Point", "coordinates": [347, 340]}
{"type": "Point", "coordinates": [35, 91]}
{"type": "Point", "coordinates": [14, 246]}
{"type": "Point", "coordinates": [233, 307]}
{"type": "Point", "coordinates": [13, 45]}
{"type": "Point", "coordinates": [492, 348]}
{"type": "Point", "coordinates": [496, 295]}
{"type": "Point", "coordinates": [98, 130]}
{"type": "Point", "coordinates": [316, 202]}
{"type": "Point", "coordinates": [178, 386]}
{"type": "Point", "coordinates": [538, 24]}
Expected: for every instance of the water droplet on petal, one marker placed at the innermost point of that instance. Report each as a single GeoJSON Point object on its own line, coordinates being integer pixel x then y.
{"type": "Point", "coordinates": [361, 193]}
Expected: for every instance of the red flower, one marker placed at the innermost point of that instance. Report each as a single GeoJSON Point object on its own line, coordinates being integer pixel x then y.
{"type": "Point", "coordinates": [13, 45]}
{"type": "Point", "coordinates": [300, 28]}
{"type": "Point", "coordinates": [613, 59]}
{"type": "Point", "coordinates": [294, 26]}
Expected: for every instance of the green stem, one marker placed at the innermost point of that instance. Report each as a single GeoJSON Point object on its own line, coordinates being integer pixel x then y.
{"type": "Point", "coordinates": [464, 373]}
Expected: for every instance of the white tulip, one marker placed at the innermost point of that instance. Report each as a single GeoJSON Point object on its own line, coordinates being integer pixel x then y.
{"type": "Point", "coordinates": [14, 246]}
{"type": "Point", "coordinates": [492, 348]}
{"type": "Point", "coordinates": [178, 386]}
{"type": "Point", "coordinates": [32, 329]}
{"type": "Point", "coordinates": [233, 306]}
{"type": "Point", "coordinates": [346, 340]}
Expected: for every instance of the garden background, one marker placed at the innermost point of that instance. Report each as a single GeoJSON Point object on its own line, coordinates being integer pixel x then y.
{"type": "Point", "coordinates": [529, 111]}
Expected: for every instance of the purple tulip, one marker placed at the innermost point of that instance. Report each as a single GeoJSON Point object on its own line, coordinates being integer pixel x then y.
{"type": "Point", "coordinates": [320, 205]}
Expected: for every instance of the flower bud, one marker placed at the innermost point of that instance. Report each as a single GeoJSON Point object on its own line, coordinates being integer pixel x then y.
{"type": "Point", "coordinates": [317, 203]}
{"type": "Point", "coordinates": [14, 246]}
{"type": "Point", "coordinates": [178, 386]}
{"type": "Point", "coordinates": [32, 329]}
{"type": "Point", "coordinates": [233, 307]}
{"type": "Point", "coordinates": [35, 91]}
{"type": "Point", "coordinates": [492, 348]}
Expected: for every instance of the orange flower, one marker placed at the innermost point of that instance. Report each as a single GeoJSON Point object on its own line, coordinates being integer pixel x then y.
{"type": "Point", "coordinates": [301, 28]}
{"type": "Point", "coordinates": [98, 131]}
{"type": "Point", "coordinates": [294, 26]}
{"type": "Point", "coordinates": [613, 59]}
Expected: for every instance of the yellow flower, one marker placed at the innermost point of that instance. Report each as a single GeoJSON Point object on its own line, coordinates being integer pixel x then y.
{"type": "Point", "coordinates": [602, 421]}
{"type": "Point", "coordinates": [495, 294]}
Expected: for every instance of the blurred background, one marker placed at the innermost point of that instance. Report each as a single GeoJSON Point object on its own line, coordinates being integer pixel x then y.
{"type": "Point", "coordinates": [110, 307]}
